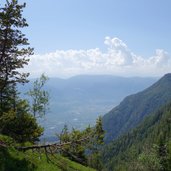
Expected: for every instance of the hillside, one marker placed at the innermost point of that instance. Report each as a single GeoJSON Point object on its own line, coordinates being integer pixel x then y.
{"type": "Point", "coordinates": [12, 160]}
{"type": "Point", "coordinates": [147, 147]}
{"type": "Point", "coordinates": [133, 109]}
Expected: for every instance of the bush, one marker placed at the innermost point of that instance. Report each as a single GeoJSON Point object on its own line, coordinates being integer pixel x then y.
{"type": "Point", "coordinates": [21, 127]}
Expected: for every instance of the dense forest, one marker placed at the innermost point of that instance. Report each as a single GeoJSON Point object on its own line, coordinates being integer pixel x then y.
{"type": "Point", "coordinates": [146, 147]}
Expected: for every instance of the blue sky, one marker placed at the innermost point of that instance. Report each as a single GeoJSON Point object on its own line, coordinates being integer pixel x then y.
{"type": "Point", "coordinates": [60, 29]}
{"type": "Point", "coordinates": [82, 24]}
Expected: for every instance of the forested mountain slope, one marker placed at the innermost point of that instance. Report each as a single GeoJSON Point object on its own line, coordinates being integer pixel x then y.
{"type": "Point", "coordinates": [147, 147]}
{"type": "Point", "coordinates": [131, 111]}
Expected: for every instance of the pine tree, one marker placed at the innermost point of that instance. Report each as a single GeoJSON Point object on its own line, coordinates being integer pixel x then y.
{"type": "Point", "coordinates": [13, 54]}
{"type": "Point", "coordinates": [15, 118]}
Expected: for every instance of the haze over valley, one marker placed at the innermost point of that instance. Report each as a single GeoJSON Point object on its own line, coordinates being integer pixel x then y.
{"type": "Point", "coordinates": [79, 100]}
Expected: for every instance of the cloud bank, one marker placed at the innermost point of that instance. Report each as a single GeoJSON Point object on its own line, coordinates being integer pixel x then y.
{"type": "Point", "coordinates": [117, 60]}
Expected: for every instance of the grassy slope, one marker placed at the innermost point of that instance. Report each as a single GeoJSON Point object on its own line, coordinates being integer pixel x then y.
{"type": "Point", "coordinates": [12, 160]}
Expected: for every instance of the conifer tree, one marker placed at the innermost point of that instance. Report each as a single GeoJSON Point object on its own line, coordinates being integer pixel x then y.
{"type": "Point", "coordinates": [14, 49]}
{"type": "Point", "coordinates": [15, 118]}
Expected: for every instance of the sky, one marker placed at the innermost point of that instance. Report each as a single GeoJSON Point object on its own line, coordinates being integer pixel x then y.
{"type": "Point", "coordinates": [116, 37]}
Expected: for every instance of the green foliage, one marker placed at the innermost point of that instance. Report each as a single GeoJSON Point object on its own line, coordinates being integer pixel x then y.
{"type": "Point", "coordinates": [11, 159]}
{"type": "Point", "coordinates": [87, 151]}
{"type": "Point", "coordinates": [74, 151]}
{"type": "Point", "coordinates": [147, 160]}
{"type": "Point", "coordinates": [133, 109]}
{"type": "Point", "coordinates": [9, 99]}
{"type": "Point", "coordinates": [20, 125]}
{"type": "Point", "coordinates": [99, 132]}
{"type": "Point", "coordinates": [95, 144]}
{"type": "Point", "coordinates": [169, 155]}
{"type": "Point", "coordinates": [6, 139]}
{"type": "Point", "coordinates": [39, 97]}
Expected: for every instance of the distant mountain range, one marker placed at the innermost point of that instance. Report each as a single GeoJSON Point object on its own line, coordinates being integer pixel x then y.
{"type": "Point", "coordinates": [79, 100]}
{"type": "Point", "coordinates": [134, 108]}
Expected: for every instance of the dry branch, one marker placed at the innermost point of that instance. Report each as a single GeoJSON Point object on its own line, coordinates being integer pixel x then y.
{"type": "Point", "coordinates": [57, 145]}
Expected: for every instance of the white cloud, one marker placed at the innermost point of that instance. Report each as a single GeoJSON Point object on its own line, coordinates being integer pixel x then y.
{"type": "Point", "coordinates": [118, 59]}
{"type": "Point", "coordinates": [160, 59]}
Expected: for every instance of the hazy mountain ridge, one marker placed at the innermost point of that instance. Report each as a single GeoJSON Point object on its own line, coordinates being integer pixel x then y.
{"type": "Point", "coordinates": [131, 111]}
